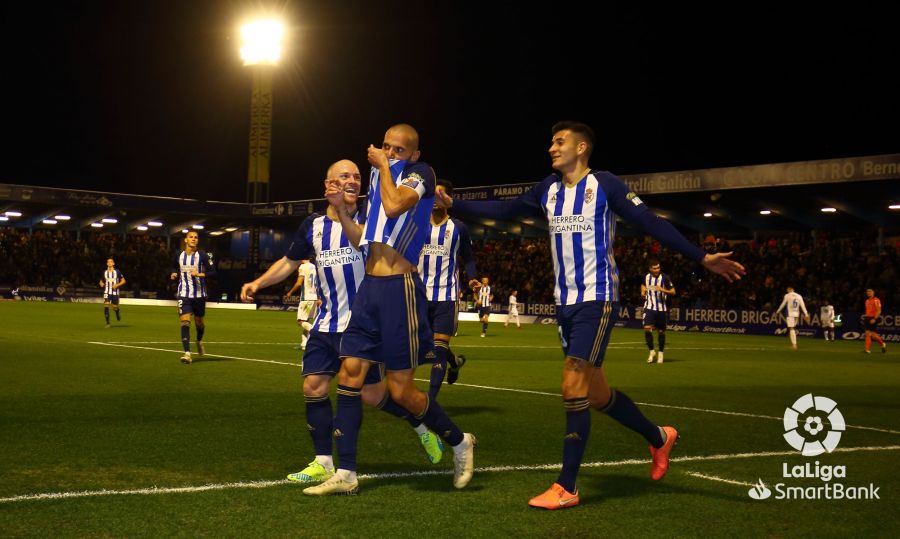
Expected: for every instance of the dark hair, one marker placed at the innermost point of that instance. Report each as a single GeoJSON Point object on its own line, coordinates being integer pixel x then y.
{"type": "Point", "coordinates": [652, 262]}
{"type": "Point", "coordinates": [447, 185]}
{"type": "Point", "coordinates": [581, 129]}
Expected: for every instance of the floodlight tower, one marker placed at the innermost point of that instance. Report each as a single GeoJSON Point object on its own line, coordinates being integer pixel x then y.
{"type": "Point", "coordinates": [261, 50]}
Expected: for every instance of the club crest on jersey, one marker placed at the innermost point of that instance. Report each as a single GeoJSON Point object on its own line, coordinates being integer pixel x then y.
{"type": "Point", "coordinates": [588, 195]}
{"type": "Point", "coordinates": [446, 235]}
{"type": "Point", "coordinates": [634, 199]}
{"type": "Point", "coordinates": [318, 234]}
{"type": "Point", "coordinates": [413, 180]}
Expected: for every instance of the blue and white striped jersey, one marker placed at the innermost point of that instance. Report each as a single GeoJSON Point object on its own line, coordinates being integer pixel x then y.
{"type": "Point", "coordinates": [199, 262]}
{"type": "Point", "coordinates": [445, 244]}
{"type": "Point", "coordinates": [340, 268]}
{"type": "Point", "coordinates": [656, 300]}
{"type": "Point", "coordinates": [406, 233]}
{"type": "Point", "coordinates": [484, 296]}
{"type": "Point", "coordinates": [582, 226]}
{"type": "Point", "coordinates": [110, 279]}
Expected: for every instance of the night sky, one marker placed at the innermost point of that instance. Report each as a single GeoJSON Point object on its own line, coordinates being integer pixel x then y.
{"type": "Point", "coordinates": [150, 96]}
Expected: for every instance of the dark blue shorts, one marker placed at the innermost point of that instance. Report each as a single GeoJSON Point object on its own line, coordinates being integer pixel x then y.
{"type": "Point", "coordinates": [389, 323]}
{"type": "Point", "coordinates": [195, 306]}
{"type": "Point", "coordinates": [322, 357]}
{"type": "Point", "coordinates": [443, 316]}
{"type": "Point", "coordinates": [656, 319]}
{"type": "Point", "coordinates": [584, 329]}
{"type": "Point", "coordinates": [484, 311]}
{"type": "Point", "coordinates": [110, 298]}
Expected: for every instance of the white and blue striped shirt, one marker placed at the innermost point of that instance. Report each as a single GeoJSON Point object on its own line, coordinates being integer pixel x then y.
{"type": "Point", "coordinates": [582, 222]}
{"type": "Point", "coordinates": [656, 300]}
{"type": "Point", "coordinates": [199, 262]}
{"type": "Point", "coordinates": [340, 268]}
{"type": "Point", "coordinates": [446, 243]}
{"type": "Point", "coordinates": [484, 296]}
{"type": "Point", "coordinates": [407, 232]}
{"type": "Point", "coordinates": [110, 279]}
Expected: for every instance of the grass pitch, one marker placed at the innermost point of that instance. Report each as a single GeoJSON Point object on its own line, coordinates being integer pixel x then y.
{"type": "Point", "coordinates": [105, 433]}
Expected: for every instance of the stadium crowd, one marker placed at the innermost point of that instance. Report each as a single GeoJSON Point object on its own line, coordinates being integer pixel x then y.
{"type": "Point", "coordinates": [818, 266]}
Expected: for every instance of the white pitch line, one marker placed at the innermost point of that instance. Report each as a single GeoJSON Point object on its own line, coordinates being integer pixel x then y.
{"type": "Point", "coordinates": [205, 355]}
{"type": "Point", "coordinates": [719, 479]}
{"type": "Point", "coordinates": [512, 390]}
{"type": "Point", "coordinates": [670, 406]}
{"type": "Point", "coordinates": [204, 342]}
{"type": "Point", "coordinates": [421, 473]}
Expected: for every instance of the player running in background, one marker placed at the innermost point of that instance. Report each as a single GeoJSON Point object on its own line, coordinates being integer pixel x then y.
{"type": "Point", "coordinates": [389, 323]}
{"type": "Point", "coordinates": [447, 241]}
{"type": "Point", "coordinates": [654, 289]}
{"type": "Point", "coordinates": [826, 318]}
{"type": "Point", "coordinates": [111, 282]}
{"type": "Point", "coordinates": [873, 311]}
{"type": "Point", "coordinates": [306, 283]}
{"type": "Point", "coordinates": [340, 270]}
{"type": "Point", "coordinates": [795, 305]}
{"type": "Point", "coordinates": [581, 205]}
{"type": "Point", "coordinates": [483, 302]}
{"type": "Point", "coordinates": [191, 269]}
{"type": "Point", "coordinates": [513, 310]}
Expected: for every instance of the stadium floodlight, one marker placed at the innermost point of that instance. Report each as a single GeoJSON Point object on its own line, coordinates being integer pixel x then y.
{"type": "Point", "coordinates": [197, 227]}
{"type": "Point", "coordinates": [14, 214]}
{"type": "Point", "coordinates": [217, 233]}
{"type": "Point", "coordinates": [261, 42]}
{"type": "Point", "coordinates": [184, 231]}
{"type": "Point", "coordinates": [141, 228]}
{"type": "Point", "coordinates": [231, 229]}
{"type": "Point", "coordinates": [891, 207]}
{"type": "Point", "coordinates": [96, 225]}
{"type": "Point", "coordinates": [62, 217]}
{"type": "Point", "coordinates": [4, 218]}
{"type": "Point", "coordinates": [154, 223]}
{"type": "Point", "coordinates": [707, 214]}
{"type": "Point", "coordinates": [109, 220]}
{"type": "Point", "coordinates": [765, 212]}
{"type": "Point", "coordinates": [829, 210]}
{"type": "Point", "coordinates": [49, 221]}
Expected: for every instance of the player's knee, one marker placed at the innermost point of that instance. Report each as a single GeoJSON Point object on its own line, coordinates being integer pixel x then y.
{"type": "Point", "coordinates": [185, 323]}
{"type": "Point", "coordinates": [599, 397]}
{"type": "Point", "coordinates": [661, 331]}
{"type": "Point", "coordinates": [316, 385]}
{"type": "Point", "coordinates": [373, 394]}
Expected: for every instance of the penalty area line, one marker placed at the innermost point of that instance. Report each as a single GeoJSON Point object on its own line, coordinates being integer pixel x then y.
{"type": "Point", "coordinates": [422, 473]}
{"type": "Point", "coordinates": [204, 355]}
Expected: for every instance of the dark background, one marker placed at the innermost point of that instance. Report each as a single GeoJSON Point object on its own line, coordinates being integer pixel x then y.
{"type": "Point", "coordinates": [150, 96]}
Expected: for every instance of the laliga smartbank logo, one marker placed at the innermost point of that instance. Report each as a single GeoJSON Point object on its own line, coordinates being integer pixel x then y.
{"type": "Point", "coordinates": [821, 428]}
{"type": "Point", "coordinates": [813, 425]}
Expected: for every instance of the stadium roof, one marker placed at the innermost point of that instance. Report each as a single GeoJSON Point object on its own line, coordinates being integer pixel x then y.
{"type": "Point", "coordinates": [859, 190]}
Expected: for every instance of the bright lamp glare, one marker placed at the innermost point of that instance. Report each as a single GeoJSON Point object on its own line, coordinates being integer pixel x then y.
{"type": "Point", "coordinates": [707, 214]}
{"type": "Point", "coordinates": [197, 227]}
{"type": "Point", "coordinates": [154, 223]}
{"type": "Point", "coordinates": [765, 212]}
{"type": "Point", "coordinates": [230, 229]}
{"type": "Point", "coordinates": [891, 207]}
{"type": "Point", "coordinates": [14, 214]}
{"type": "Point", "coordinates": [4, 218]}
{"type": "Point", "coordinates": [62, 217]}
{"type": "Point", "coordinates": [96, 225]}
{"type": "Point", "coordinates": [141, 228]}
{"type": "Point", "coordinates": [829, 210]}
{"type": "Point", "coordinates": [110, 220]}
{"type": "Point", "coordinates": [49, 221]}
{"type": "Point", "coordinates": [261, 42]}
